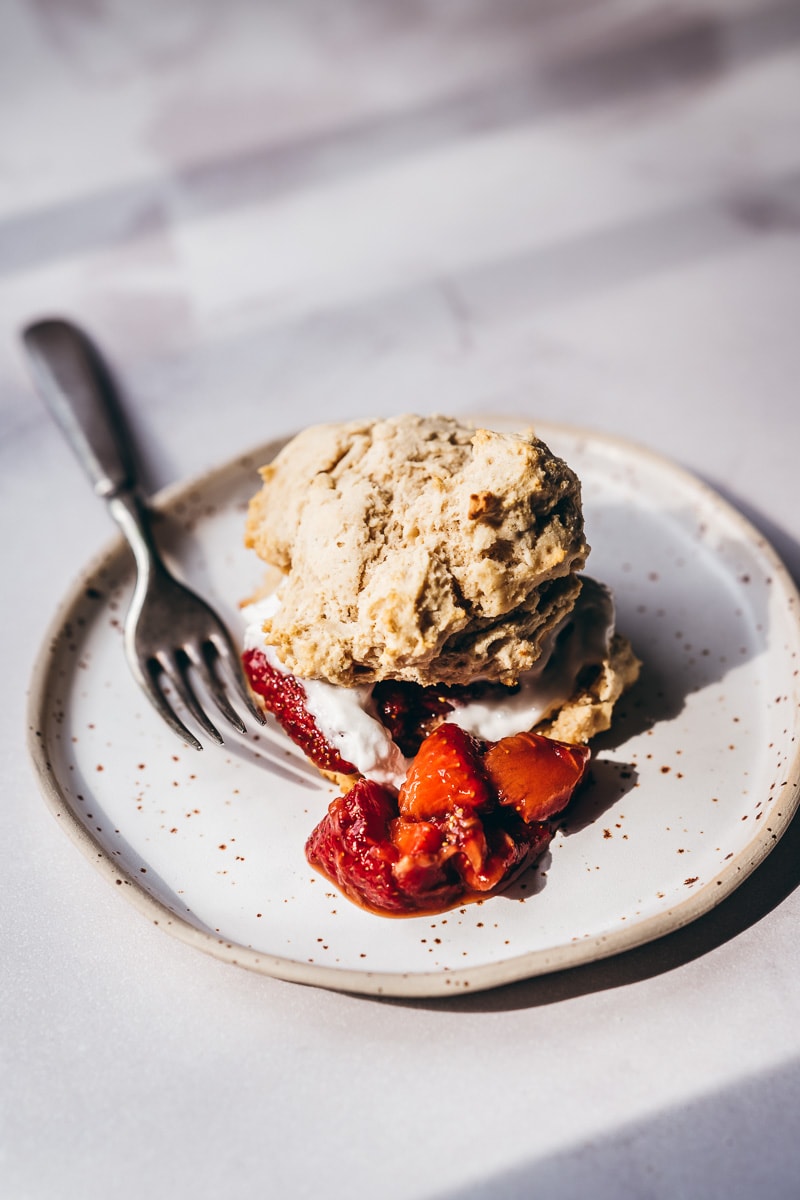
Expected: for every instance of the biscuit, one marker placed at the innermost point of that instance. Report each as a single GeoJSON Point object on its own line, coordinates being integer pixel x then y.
{"type": "Point", "coordinates": [589, 710]}
{"type": "Point", "coordinates": [417, 548]}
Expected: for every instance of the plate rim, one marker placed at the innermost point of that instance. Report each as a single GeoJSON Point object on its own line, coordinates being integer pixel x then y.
{"type": "Point", "coordinates": [442, 982]}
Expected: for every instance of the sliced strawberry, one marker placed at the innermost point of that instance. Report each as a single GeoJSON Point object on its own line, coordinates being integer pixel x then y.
{"type": "Point", "coordinates": [446, 774]}
{"type": "Point", "coordinates": [416, 837]}
{"type": "Point", "coordinates": [535, 775]}
{"type": "Point", "coordinates": [466, 841]}
{"type": "Point", "coordinates": [491, 849]}
{"type": "Point", "coordinates": [409, 711]}
{"type": "Point", "coordinates": [513, 847]}
{"type": "Point", "coordinates": [353, 847]}
{"type": "Point", "coordinates": [284, 696]}
{"type": "Point", "coordinates": [484, 873]}
{"type": "Point", "coordinates": [467, 821]}
{"type": "Point", "coordinates": [423, 870]}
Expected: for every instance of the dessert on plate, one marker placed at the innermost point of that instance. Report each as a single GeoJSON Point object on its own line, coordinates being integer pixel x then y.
{"type": "Point", "coordinates": [425, 634]}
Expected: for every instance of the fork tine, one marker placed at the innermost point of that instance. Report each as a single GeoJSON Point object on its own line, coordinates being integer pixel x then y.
{"type": "Point", "coordinates": [175, 667]}
{"type": "Point", "coordinates": [205, 663]}
{"type": "Point", "coordinates": [149, 682]}
{"type": "Point", "coordinates": [227, 654]}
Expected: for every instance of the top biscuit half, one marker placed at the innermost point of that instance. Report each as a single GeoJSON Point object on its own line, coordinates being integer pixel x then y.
{"type": "Point", "coordinates": [417, 548]}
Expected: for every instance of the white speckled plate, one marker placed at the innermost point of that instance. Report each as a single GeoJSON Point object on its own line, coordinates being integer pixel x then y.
{"type": "Point", "coordinates": [689, 793]}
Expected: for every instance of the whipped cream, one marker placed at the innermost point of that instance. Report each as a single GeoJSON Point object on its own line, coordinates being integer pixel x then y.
{"type": "Point", "coordinates": [582, 639]}
{"type": "Point", "coordinates": [347, 717]}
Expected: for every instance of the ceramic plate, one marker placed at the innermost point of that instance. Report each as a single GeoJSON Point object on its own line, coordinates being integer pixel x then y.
{"type": "Point", "coordinates": [695, 784]}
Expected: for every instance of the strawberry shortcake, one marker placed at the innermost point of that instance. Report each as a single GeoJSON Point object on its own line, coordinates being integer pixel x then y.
{"type": "Point", "coordinates": [428, 639]}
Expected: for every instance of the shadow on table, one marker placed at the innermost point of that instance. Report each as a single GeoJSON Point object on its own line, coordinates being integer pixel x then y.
{"type": "Point", "coordinates": [739, 1142]}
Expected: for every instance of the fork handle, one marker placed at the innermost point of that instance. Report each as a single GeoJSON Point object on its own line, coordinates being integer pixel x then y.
{"type": "Point", "coordinates": [76, 386]}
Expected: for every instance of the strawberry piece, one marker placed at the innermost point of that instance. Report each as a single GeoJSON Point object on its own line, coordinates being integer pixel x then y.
{"type": "Point", "coordinates": [416, 837]}
{"type": "Point", "coordinates": [512, 847]}
{"type": "Point", "coordinates": [468, 820]}
{"type": "Point", "coordinates": [535, 775]}
{"type": "Point", "coordinates": [446, 774]}
{"type": "Point", "coordinates": [492, 849]}
{"type": "Point", "coordinates": [409, 711]}
{"type": "Point", "coordinates": [423, 870]}
{"type": "Point", "coordinates": [353, 847]}
{"type": "Point", "coordinates": [284, 696]}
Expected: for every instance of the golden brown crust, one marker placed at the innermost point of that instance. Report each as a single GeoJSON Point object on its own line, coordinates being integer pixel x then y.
{"type": "Point", "coordinates": [417, 549]}
{"type": "Point", "coordinates": [589, 710]}
{"type": "Point", "coordinates": [345, 783]}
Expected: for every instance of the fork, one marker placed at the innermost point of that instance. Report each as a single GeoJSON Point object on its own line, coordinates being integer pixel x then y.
{"type": "Point", "coordinates": [171, 634]}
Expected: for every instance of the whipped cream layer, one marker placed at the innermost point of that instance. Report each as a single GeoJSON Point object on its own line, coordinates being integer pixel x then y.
{"type": "Point", "coordinates": [348, 719]}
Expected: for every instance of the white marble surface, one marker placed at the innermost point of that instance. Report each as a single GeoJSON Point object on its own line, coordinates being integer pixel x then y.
{"type": "Point", "coordinates": [270, 214]}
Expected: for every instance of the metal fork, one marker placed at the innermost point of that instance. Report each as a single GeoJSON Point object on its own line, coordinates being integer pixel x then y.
{"type": "Point", "coordinates": [170, 633]}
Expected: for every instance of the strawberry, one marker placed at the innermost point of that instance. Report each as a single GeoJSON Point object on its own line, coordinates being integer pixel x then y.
{"type": "Point", "coordinates": [466, 839]}
{"type": "Point", "coordinates": [492, 849]}
{"type": "Point", "coordinates": [483, 872]}
{"type": "Point", "coordinates": [535, 775]}
{"type": "Point", "coordinates": [353, 846]}
{"type": "Point", "coordinates": [446, 774]}
{"type": "Point", "coordinates": [284, 696]}
{"type": "Point", "coordinates": [513, 847]}
{"type": "Point", "coordinates": [408, 711]}
{"type": "Point", "coordinates": [422, 869]}
{"type": "Point", "coordinates": [413, 838]}
{"type": "Point", "coordinates": [468, 820]}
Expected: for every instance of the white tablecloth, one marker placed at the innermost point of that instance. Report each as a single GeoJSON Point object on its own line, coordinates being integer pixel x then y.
{"type": "Point", "coordinates": [271, 214]}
